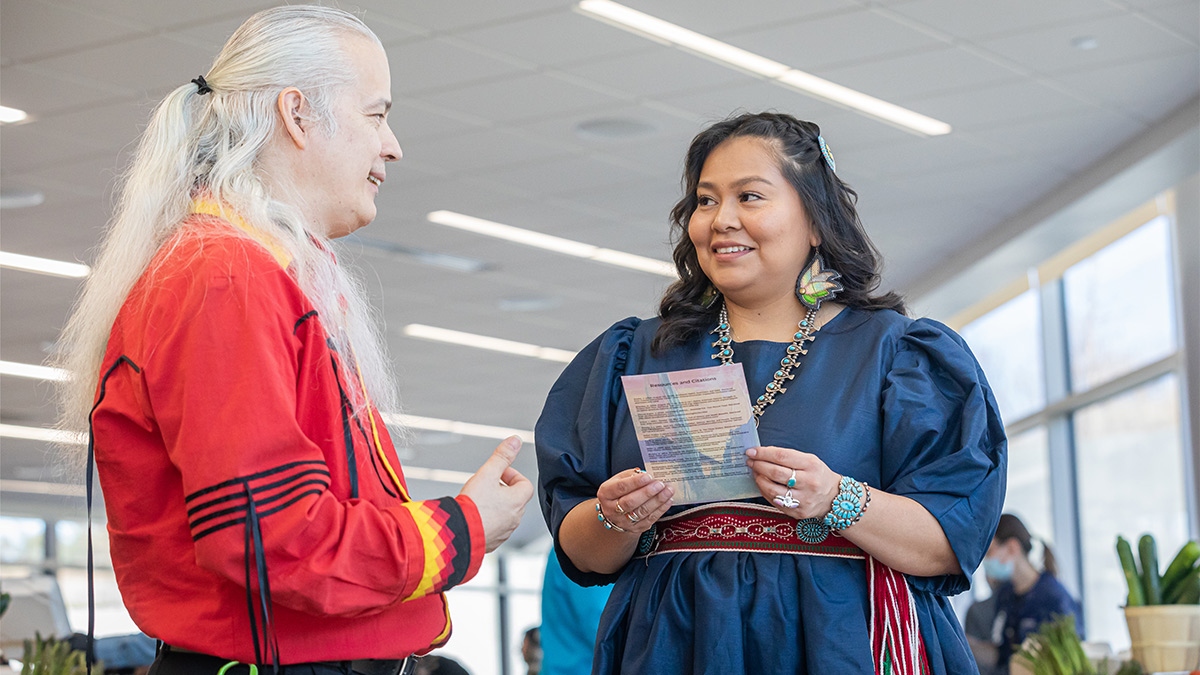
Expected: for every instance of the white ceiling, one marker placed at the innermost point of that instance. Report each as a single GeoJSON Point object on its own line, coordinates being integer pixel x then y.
{"type": "Point", "coordinates": [488, 98]}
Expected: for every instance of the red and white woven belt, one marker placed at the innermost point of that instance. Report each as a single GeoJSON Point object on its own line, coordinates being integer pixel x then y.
{"type": "Point", "coordinates": [736, 526]}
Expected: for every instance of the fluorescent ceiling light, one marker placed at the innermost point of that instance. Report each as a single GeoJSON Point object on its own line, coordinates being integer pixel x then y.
{"type": "Point", "coordinates": [552, 243]}
{"type": "Point", "coordinates": [455, 337]}
{"type": "Point", "coordinates": [12, 115]}
{"type": "Point", "coordinates": [33, 372]}
{"type": "Point", "coordinates": [55, 268]}
{"type": "Point", "coordinates": [456, 427]}
{"type": "Point", "coordinates": [37, 487]}
{"type": "Point", "coordinates": [42, 434]}
{"type": "Point", "coordinates": [663, 31]}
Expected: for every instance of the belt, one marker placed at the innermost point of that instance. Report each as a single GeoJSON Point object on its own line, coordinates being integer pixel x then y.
{"type": "Point", "coordinates": [896, 644]}
{"type": "Point", "coordinates": [179, 661]}
{"type": "Point", "coordinates": [738, 526]}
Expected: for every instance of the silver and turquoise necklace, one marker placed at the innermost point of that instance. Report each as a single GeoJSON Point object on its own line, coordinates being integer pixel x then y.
{"type": "Point", "coordinates": [804, 333]}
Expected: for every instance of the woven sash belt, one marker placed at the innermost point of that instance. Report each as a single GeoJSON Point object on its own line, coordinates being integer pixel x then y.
{"type": "Point", "coordinates": [736, 526]}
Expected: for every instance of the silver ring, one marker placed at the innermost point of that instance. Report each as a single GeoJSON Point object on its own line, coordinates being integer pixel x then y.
{"type": "Point", "coordinates": [633, 516]}
{"type": "Point", "coordinates": [787, 501]}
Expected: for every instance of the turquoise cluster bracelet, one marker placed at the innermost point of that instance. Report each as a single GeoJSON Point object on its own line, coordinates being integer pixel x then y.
{"type": "Point", "coordinates": [849, 505]}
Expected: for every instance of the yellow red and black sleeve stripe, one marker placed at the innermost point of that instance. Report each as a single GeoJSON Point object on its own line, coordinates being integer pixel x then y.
{"type": "Point", "coordinates": [448, 546]}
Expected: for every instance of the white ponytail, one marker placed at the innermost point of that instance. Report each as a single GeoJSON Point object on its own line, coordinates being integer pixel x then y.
{"type": "Point", "coordinates": [213, 143]}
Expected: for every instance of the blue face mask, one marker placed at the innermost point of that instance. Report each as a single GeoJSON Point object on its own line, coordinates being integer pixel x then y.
{"type": "Point", "coordinates": [1000, 571]}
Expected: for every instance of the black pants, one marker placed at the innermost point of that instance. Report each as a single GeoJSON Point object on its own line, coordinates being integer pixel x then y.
{"type": "Point", "coordinates": [174, 662]}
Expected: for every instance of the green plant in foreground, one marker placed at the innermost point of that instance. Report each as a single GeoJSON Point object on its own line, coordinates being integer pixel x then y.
{"type": "Point", "coordinates": [49, 656]}
{"type": "Point", "coordinates": [1178, 585]}
{"type": "Point", "coordinates": [1056, 650]}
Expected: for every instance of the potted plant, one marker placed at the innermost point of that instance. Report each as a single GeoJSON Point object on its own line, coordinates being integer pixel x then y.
{"type": "Point", "coordinates": [1162, 609]}
{"type": "Point", "coordinates": [48, 656]}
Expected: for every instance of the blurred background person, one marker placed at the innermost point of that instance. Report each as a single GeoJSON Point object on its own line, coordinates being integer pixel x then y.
{"type": "Point", "coordinates": [1027, 597]}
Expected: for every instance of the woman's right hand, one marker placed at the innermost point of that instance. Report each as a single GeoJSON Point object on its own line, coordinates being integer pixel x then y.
{"type": "Point", "coordinates": [634, 500]}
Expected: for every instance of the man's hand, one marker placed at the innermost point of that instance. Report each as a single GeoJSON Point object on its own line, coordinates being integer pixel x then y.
{"type": "Point", "coordinates": [500, 493]}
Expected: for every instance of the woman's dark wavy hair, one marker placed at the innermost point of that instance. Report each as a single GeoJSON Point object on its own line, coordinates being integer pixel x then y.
{"type": "Point", "coordinates": [829, 202]}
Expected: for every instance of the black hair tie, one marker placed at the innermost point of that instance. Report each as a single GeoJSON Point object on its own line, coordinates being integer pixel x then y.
{"type": "Point", "coordinates": [203, 86]}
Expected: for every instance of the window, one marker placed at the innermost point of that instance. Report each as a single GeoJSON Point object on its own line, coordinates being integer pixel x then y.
{"type": "Point", "coordinates": [1120, 306]}
{"type": "Point", "coordinates": [22, 541]}
{"type": "Point", "coordinates": [1028, 495]}
{"type": "Point", "coordinates": [524, 570]}
{"type": "Point", "coordinates": [1092, 404]}
{"type": "Point", "coordinates": [71, 543]}
{"type": "Point", "coordinates": [1007, 343]}
{"type": "Point", "coordinates": [1130, 468]}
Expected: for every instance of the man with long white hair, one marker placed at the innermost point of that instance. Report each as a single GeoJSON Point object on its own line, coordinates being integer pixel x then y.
{"type": "Point", "coordinates": [231, 375]}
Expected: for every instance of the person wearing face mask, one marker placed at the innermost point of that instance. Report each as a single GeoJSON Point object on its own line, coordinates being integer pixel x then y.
{"type": "Point", "coordinates": [856, 402]}
{"type": "Point", "coordinates": [980, 625]}
{"type": "Point", "coordinates": [1026, 597]}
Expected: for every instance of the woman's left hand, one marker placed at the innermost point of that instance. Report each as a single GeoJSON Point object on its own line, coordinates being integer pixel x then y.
{"type": "Point", "coordinates": [816, 485]}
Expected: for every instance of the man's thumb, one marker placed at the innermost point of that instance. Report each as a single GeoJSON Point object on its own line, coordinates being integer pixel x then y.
{"type": "Point", "coordinates": [504, 455]}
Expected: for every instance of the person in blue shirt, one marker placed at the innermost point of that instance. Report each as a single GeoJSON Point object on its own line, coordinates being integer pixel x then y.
{"type": "Point", "coordinates": [1027, 598]}
{"type": "Point", "coordinates": [570, 618]}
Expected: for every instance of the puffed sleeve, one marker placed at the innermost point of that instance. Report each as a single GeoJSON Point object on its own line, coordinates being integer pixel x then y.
{"type": "Point", "coordinates": [573, 436]}
{"type": "Point", "coordinates": [944, 444]}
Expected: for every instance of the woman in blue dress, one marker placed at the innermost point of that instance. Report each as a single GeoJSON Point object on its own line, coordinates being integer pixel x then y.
{"type": "Point", "coordinates": [889, 417]}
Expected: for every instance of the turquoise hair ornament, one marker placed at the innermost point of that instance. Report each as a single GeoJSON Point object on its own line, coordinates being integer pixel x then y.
{"type": "Point", "coordinates": [828, 155]}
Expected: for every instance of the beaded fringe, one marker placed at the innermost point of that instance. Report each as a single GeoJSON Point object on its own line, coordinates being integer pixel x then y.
{"type": "Point", "coordinates": [895, 632]}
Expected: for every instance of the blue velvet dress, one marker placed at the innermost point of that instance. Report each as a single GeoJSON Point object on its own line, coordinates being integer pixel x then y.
{"type": "Point", "coordinates": [897, 403]}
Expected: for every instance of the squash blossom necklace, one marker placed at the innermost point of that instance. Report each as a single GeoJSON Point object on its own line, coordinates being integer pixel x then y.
{"type": "Point", "coordinates": [815, 286]}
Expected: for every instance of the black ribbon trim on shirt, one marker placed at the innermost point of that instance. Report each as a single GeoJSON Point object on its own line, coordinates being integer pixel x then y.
{"type": "Point", "coordinates": [289, 490]}
{"type": "Point", "coordinates": [348, 436]}
{"type": "Point", "coordinates": [308, 315]}
{"type": "Point", "coordinates": [88, 477]}
{"type": "Point", "coordinates": [254, 539]}
{"type": "Point", "coordinates": [374, 461]}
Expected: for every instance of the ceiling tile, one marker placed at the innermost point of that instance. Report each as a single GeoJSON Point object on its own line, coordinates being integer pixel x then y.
{"type": "Point", "coordinates": [464, 14]}
{"type": "Point", "coordinates": [562, 175]}
{"type": "Point", "coordinates": [105, 127]}
{"type": "Point", "coordinates": [76, 223]}
{"type": "Point", "coordinates": [158, 15]}
{"type": "Point", "coordinates": [147, 65]}
{"type": "Point", "coordinates": [555, 39]}
{"type": "Point", "coordinates": [43, 29]}
{"type": "Point", "coordinates": [982, 19]}
{"type": "Point", "coordinates": [483, 149]}
{"type": "Point", "coordinates": [436, 64]}
{"type": "Point", "coordinates": [1183, 17]}
{"type": "Point", "coordinates": [1120, 38]}
{"type": "Point", "coordinates": [527, 97]}
{"type": "Point", "coordinates": [38, 91]}
{"type": "Point", "coordinates": [848, 38]}
{"type": "Point", "coordinates": [911, 154]}
{"type": "Point", "coordinates": [43, 149]}
{"type": "Point", "coordinates": [913, 76]}
{"type": "Point", "coordinates": [657, 71]}
{"type": "Point", "coordinates": [998, 104]}
{"type": "Point", "coordinates": [1144, 90]}
{"type": "Point", "coordinates": [716, 103]}
{"type": "Point", "coordinates": [1067, 141]}
{"type": "Point", "coordinates": [719, 18]}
